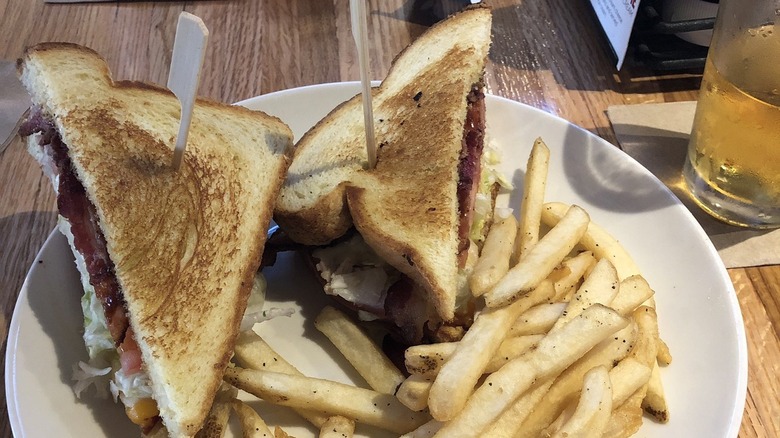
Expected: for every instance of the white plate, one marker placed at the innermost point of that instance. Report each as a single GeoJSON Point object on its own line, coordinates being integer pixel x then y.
{"type": "Point", "coordinates": [698, 311]}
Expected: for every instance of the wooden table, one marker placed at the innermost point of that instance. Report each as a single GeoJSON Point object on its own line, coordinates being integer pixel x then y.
{"type": "Point", "coordinates": [547, 54]}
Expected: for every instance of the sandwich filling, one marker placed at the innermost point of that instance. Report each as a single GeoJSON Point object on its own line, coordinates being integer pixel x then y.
{"type": "Point", "coordinates": [469, 168]}
{"type": "Point", "coordinates": [80, 222]}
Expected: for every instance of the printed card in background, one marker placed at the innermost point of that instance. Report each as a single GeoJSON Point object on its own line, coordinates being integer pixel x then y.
{"type": "Point", "coordinates": [617, 19]}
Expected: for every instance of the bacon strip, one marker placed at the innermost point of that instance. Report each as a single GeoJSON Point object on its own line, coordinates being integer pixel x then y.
{"type": "Point", "coordinates": [73, 204]}
{"type": "Point", "coordinates": [470, 167]}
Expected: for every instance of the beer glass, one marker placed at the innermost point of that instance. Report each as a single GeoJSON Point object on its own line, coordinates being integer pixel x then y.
{"type": "Point", "coordinates": [733, 163]}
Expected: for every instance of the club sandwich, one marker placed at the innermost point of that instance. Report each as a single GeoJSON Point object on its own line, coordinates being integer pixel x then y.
{"type": "Point", "coordinates": [393, 241]}
{"type": "Point", "coordinates": [167, 257]}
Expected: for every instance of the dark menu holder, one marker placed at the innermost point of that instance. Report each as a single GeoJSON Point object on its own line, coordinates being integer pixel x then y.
{"type": "Point", "coordinates": [653, 42]}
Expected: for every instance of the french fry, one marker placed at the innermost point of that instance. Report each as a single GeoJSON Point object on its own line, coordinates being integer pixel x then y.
{"type": "Point", "coordinates": [533, 197]}
{"type": "Point", "coordinates": [361, 351]}
{"type": "Point", "coordinates": [558, 423]}
{"type": "Point", "coordinates": [626, 419]}
{"type": "Point", "coordinates": [540, 261]}
{"type": "Point", "coordinates": [253, 352]}
{"type": "Point", "coordinates": [564, 390]}
{"type": "Point", "coordinates": [644, 350]}
{"type": "Point", "coordinates": [458, 376]}
{"type": "Point", "coordinates": [337, 427]}
{"type": "Point", "coordinates": [364, 405]}
{"type": "Point", "coordinates": [593, 410]}
{"type": "Point", "coordinates": [594, 239]}
{"type": "Point", "coordinates": [575, 268]}
{"type": "Point", "coordinates": [510, 349]}
{"type": "Point", "coordinates": [493, 262]}
{"type": "Point", "coordinates": [427, 430]}
{"type": "Point", "coordinates": [252, 425]}
{"type": "Point", "coordinates": [413, 392]}
{"type": "Point", "coordinates": [537, 320]}
{"type": "Point", "coordinates": [508, 423]}
{"type": "Point", "coordinates": [634, 291]}
{"type": "Point", "coordinates": [654, 402]}
{"type": "Point", "coordinates": [655, 398]}
{"type": "Point", "coordinates": [554, 353]}
{"type": "Point", "coordinates": [560, 272]}
{"type": "Point", "coordinates": [627, 377]}
{"type": "Point", "coordinates": [426, 360]}
{"type": "Point", "coordinates": [600, 287]}
{"type": "Point", "coordinates": [280, 433]}
{"type": "Point", "coordinates": [664, 355]}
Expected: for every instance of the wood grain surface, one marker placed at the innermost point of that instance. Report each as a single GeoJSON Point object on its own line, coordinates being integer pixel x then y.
{"type": "Point", "coordinates": [548, 54]}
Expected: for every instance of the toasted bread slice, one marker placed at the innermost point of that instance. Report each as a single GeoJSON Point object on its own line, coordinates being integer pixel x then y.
{"type": "Point", "coordinates": [407, 207]}
{"type": "Point", "coordinates": [185, 244]}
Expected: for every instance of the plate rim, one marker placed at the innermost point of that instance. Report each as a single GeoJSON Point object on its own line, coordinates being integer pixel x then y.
{"type": "Point", "coordinates": [14, 418]}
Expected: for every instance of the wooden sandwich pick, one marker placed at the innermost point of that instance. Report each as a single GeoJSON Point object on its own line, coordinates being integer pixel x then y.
{"type": "Point", "coordinates": [357, 9]}
{"type": "Point", "coordinates": [189, 48]}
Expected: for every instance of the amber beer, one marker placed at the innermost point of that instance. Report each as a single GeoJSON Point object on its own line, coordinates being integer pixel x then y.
{"type": "Point", "coordinates": [733, 166]}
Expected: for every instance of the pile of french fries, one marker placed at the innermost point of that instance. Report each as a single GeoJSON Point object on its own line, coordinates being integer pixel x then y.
{"type": "Point", "coordinates": [565, 345]}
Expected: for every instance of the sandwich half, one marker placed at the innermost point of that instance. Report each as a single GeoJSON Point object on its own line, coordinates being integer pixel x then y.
{"type": "Point", "coordinates": [414, 210]}
{"type": "Point", "coordinates": [167, 257]}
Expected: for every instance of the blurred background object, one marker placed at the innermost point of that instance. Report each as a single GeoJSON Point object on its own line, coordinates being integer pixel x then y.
{"type": "Point", "coordinates": [428, 12]}
{"type": "Point", "coordinates": [702, 11]}
{"type": "Point", "coordinates": [673, 34]}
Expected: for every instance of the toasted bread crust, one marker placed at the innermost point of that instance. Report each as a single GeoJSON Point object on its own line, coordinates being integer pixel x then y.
{"type": "Point", "coordinates": [328, 217]}
{"type": "Point", "coordinates": [186, 244]}
{"type": "Point", "coordinates": [316, 213]}
{"type": "Point", "coordinates": [403, 256]}
{"type": "Point", "coordinates": [406, 208]}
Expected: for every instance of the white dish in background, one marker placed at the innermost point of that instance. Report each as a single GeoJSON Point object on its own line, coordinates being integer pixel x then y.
{"type": "Point", "coordinates": [698, 311]}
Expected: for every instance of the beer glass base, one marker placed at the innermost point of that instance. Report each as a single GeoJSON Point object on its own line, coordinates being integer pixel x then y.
{"type": "Point", "coordinates": [726, 208]}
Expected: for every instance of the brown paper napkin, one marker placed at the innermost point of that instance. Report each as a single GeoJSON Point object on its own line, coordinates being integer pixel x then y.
{"type": "Point", "coordinates": [656, 135]}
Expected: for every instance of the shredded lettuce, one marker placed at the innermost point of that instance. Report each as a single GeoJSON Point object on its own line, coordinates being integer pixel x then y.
{"type": "Point", "coordinates": [131, 388]}
{"type": "Point", "coordinates": [254, 313]}
{"type": "Point", "coordinates": [103, 370]}
{"type": "Point", "coordinates": [463, 295]}
{"type": "Point", "coordinates": [97, 338]}
{"type": "Point", "coordinates": [483, 202]}
{"type": "Point", "coordinates": [96, 335]}
{"type": "Point", "coordinates": [86, 375]}
{"type": "Point", "coordinates": [103, 357]}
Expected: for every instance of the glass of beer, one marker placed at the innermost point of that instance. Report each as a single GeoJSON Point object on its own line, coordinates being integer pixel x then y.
{"type": "Point", "coordinates": [733, 163]}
